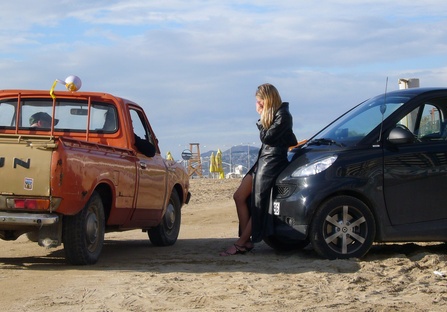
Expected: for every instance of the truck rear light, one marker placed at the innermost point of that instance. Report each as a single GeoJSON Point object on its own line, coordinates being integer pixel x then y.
{"type": "Point", "coordinates": [32, 204]}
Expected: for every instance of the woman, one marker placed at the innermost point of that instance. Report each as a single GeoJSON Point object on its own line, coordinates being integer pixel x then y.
{"type": "Point", "coordinates": [276, 134]}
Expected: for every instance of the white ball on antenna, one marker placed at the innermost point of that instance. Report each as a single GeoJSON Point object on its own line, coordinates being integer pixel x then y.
{"type": "Point", "coordinates": [73, 83]}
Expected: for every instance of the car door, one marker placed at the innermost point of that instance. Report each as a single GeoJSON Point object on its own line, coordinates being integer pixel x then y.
{"type": "Point", "coordinates": [152, 174]}
{"type": "Point", "coordinates": [415, 174]}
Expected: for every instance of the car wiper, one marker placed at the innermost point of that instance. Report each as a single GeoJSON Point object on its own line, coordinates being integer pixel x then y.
{"type": "Point", "coordinates": [324, 141]}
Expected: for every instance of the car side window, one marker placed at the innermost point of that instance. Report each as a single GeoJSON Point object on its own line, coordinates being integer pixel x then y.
{"type": "Point", "coordinates": [430, 123]}
{"type": "Point", "coordinates": [427, 122]}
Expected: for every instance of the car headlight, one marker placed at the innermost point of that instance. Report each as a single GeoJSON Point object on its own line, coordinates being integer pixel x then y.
{"type": "Point", "coordinates": [314, 167]}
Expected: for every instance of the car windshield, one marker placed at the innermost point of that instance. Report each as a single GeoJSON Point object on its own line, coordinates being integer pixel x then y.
{"type": "Point", "coordinates": [352, 127]}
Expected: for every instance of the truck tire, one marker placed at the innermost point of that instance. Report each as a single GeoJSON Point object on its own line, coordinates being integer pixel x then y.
{"type": "Point", "coordinates": [166, 233]}
{"type": "Point", "coordinates": [83, 233]}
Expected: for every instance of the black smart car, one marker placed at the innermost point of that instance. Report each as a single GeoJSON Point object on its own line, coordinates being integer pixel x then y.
{"type": "Point", "coordinates": [378, 173]}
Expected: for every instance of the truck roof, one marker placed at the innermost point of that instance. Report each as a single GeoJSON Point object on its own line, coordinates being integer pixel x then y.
{"type": "Point", "coordinates": [64, 94]}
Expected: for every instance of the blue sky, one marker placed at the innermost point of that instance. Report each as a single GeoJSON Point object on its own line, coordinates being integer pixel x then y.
{"type": "Point", "coordinates": [194, 65]}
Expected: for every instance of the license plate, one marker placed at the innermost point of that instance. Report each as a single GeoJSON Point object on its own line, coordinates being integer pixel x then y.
{"type": "Point", "coordinates": [276, 208]}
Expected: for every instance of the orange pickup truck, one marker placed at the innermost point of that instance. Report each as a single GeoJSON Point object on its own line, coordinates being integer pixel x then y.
{"type": "Point", "coordinates": [75, 165]}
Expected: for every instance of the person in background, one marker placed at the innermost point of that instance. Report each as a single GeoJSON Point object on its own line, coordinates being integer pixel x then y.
{"type": "Point", "coordinates": [276, 134]}
{"type": "Point", "coordinates": [41, 120]}
{"type": "Point", "coordinates": [144, 146]}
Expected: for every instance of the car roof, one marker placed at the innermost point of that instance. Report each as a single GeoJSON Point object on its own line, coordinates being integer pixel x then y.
{"type": "Point", "coordinates": [416, 91]}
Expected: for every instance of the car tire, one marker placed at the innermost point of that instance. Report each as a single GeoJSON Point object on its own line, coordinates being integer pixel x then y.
{"type": "Point", "coordinates": [284, 244]}
{"type": "Point", "coordinates": [166, 233]}
{"type": "Point", "coordinates": [343, 227]}
{"type": "Point", "coordinates": [83, 233]}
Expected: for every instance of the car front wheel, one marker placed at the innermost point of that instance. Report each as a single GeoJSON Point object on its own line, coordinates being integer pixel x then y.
{"type": "Point", "coordinates": [343, 227]}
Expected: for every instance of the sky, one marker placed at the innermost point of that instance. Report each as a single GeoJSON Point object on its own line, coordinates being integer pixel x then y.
{"type": "Point", "coordinates": [194, 65]}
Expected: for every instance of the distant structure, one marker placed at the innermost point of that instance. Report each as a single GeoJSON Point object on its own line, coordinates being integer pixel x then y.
{"type": "Point", "coordinates": [406, 83]}
{"type": "Point", "coordinates": [195, 162]}
{"type": "Point", "coordinates": [238, 169]}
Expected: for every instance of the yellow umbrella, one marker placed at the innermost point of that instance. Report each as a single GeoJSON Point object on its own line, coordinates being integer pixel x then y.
{"type": "Point", "coordinates": [169, 156]}
{"type": "Point", "coordinates": [219, 166]}
{"type": "Point", "coordinates": [212, 163]}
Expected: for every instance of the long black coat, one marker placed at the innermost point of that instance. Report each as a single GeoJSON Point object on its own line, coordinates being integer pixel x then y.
{"type": "Point", "coordinates": [272, 159]}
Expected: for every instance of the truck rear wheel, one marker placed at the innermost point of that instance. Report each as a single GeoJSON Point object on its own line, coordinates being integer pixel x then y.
{"type": "Point", "coordinates": [83, 233]}
{"type": "Point", "coordinates": [166, 233]}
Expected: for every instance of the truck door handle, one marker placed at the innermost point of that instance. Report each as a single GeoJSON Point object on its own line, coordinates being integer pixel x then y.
{"type": "Point", "coordinates": [143, 165]}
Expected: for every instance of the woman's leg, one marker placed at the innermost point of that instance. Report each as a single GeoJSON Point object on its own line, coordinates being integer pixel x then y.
{"type": "Point", "coordinates": [241, 198]}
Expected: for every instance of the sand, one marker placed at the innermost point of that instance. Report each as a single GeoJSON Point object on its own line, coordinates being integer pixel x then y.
{"type": "Point", "coordinates": [133, 275]}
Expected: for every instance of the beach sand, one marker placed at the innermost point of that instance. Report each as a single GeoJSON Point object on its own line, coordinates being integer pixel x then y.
{"type": "Point", "coordinates": [133, 275]}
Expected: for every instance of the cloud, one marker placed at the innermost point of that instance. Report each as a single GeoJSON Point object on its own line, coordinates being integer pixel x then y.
{"type": "Point", "coordinates": [194, 66]}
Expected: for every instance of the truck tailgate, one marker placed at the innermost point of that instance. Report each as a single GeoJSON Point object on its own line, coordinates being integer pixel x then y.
{"type": "Point", "coordinates": [25, 165]}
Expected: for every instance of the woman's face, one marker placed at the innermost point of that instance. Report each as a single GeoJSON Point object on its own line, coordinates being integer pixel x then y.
{"type": "Point", "coordinates": [259, 105]}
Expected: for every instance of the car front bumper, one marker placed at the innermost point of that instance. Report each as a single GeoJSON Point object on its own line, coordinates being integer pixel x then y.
{"type": "Point", "coordinates": [290, 211]}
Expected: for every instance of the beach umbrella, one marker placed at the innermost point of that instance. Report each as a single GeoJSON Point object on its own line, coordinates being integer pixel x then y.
{"type": "Point", "coordinates": [169, 156]}
{"type": "Point", "coordinates": [219, 166]}
{"type": "Point", "coordinates": [212, 163]}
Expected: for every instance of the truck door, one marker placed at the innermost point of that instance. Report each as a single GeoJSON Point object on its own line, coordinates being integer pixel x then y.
{"type": "Point", "coordinates": [152, 173]}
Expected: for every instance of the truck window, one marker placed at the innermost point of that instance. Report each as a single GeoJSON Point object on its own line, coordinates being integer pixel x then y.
{"type": "Point", "coordinates": [71, 115]}
{"type": "Point", "coordinates": [143, 138]}
{"type": "Point", "coordinates": [7, 114]}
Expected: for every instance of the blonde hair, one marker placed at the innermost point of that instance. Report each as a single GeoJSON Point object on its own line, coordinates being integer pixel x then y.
{"type": "Point", "coordinates": [272, 101]}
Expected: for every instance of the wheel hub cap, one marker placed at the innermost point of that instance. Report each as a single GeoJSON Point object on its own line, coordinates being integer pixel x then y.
{"type": "Point", "coordinates": [91, 228]}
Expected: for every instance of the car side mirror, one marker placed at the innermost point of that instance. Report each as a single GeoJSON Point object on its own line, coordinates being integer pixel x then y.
{"type": "Point", "coordinates": [401, 135]}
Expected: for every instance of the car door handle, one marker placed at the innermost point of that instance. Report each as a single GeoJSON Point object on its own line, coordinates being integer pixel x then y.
{"type": "Point", "coordinates": [143, 165]}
